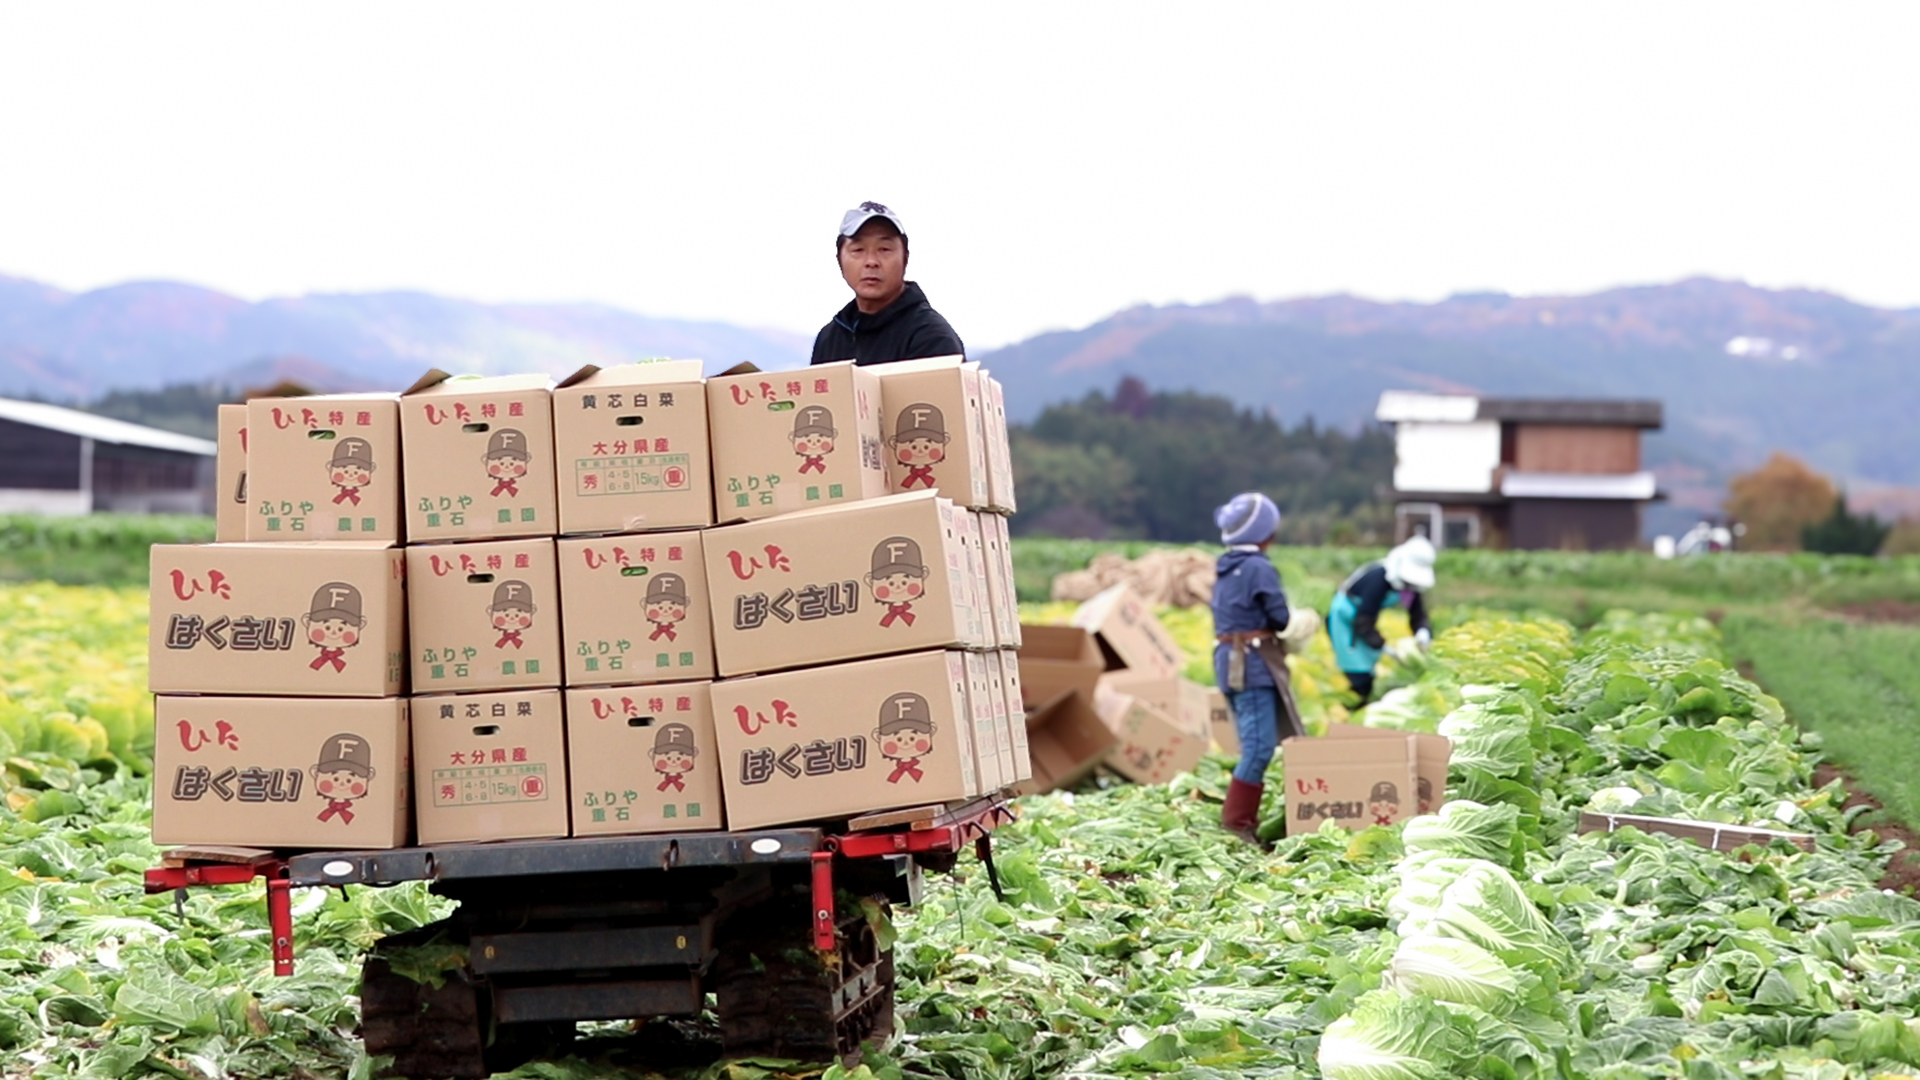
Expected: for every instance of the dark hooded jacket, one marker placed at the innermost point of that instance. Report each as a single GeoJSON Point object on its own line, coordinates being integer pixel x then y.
{"type": "Point", "coordinates": [907, 329]}
{"type": "Point", "coordinates": [1246, 596]}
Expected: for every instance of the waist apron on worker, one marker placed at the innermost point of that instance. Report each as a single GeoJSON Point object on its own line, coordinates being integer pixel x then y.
{"type": "Point", "coordinates": [1266, 649]}
{"type": "Point", "coordinates": [1349, 650]}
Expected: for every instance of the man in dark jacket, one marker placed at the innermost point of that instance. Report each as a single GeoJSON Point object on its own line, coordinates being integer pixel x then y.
{"type": "Point", "coordinates": [1251, 621]}
{"type": "Point", "coordinates": [889, 318]}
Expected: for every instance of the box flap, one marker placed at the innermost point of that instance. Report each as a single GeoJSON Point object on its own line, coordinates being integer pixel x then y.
{"type": "Point", "coordinates": [478, 384]}
{"type": "Point", "coordinates": [433, 377]}
{"type": "Point", "coordinates": [638, 373]}
{"type": "Point", "coordinates": [908, 367]}
{"type": "Point", "coordinates": [586, 371]}
{"type": "Point", "coordinates": [1066, 741]}
{"type": "Point", "coordinates": [744, 367]}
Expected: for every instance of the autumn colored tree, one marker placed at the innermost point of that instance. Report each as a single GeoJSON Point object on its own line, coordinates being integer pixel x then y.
{"type": "Point", "coordinates": [1777, 501]}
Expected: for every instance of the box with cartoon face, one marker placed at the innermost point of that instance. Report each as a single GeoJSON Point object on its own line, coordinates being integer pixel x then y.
{"type": "Point", "coordinates": [484, 616]}
{"type": "Point", "coordinates": [833, 742]}
{"type": "Point", "coordinates": [478, 457]}
{"type": "Point", "coordinates": [794, 440]}
{"type": "Point", "coordinates": [630, 444]}
{"type": "Point", "coordinates": [866, 579]}
{"type": "Point", "coordinates": [930, 418]}
{"type": "Point", "coordinates": [634, 609]}
{"type": "Point", "coordinates": [323, 468]}
{"type": "Point", "coordinates": [642, 759]}
{"type": "Point", "coordinates": [277, 772]}
{"type": "Point", "coordinates": [312, 620]}
{"type": "Point", "coordinates": [490, 766]}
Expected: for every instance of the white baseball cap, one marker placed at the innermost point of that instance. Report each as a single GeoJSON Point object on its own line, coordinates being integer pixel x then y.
{"type": "Point", "coordinates": [850, 223]}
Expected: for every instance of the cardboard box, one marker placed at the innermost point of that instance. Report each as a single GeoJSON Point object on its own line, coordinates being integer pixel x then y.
{"type": "Point", "coordinates": [832, 742]}
{"type": "Point", "coordinates": [305, 620]}
{"type": "Point", "coordinates": [1433, 754]}
{"type": "Point", "coordinates": [478, 457]}
{"type": "Point", "coordinates": [1055, 659]}
{"type": "Point", "coordinates": [230, 476]}
{"type": "Point", "coordinates": [1361, 777]}
{"type": "Point", "coordinates": [1182, 700]}
{"type": "Point", "coordinates": [1009, 713]}
{"type": "Point", "coordinates": [484, 616]}
{"type": "Point", "coordinates": [1129, 634]}
{"type": "Point", "coordinates": [869, 578]}
{"type": "Point", "coordinates": [1001, 600]}
{"type": "Point", "coordinates": [630, 448]}
{"type": "Point", "coordinates": [490, 766]}
{"type": "Point", "coordinates": [931, 421]}
{"type": "Point", "coordinates": [642, 759]}
{"type": "Point", "coordinates": [794, 440]}
{"type": "Point", "coordinates": [992, 745]}
{"type": "Point", "coordinates": [324, 468]}
{"type": "Point", "coordinates": [974, 543]}
{"type": "Point", "coordinates": [1153, 747]}
{"type": "Point", "coordinates": [1226, 735]}
{"type": "Point", "coordinates": [1067, 741]}
{"type": "Point", "coordinates": [634, 609]}
{"type": "Point", "coordinates": [993, 419]}
{"type": "Point", "coordinates": [277, 772]}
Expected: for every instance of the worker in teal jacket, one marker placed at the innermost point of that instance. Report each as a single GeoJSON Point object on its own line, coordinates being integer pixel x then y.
{"type": "Point", "coordinates": [1352, 621]}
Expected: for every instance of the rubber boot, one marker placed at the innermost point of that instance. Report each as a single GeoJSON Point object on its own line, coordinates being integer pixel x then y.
{"type": "Point", "coordinates": [1241, 814]}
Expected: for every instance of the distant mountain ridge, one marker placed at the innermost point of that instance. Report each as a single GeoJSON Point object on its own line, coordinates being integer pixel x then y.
{"type": "Point", "coordinates": [1742, 370]}
{"type": "Point", "coordinates": [149, 334]}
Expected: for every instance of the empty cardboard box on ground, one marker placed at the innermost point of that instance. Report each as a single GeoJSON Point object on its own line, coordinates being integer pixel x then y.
{"type": "Point", "coordinates": [490, 766]}
{"type": "Point", "coordinates": [1182, 700]}
{"type": "Point", "coordinates": [324, 468]}
{"type": "Point", "coordinates": [934, 428]}
{"type": "Point", "coordinates": [315, 620]}
{"type": "Point", "coordinates": [1055, 659]}
{"type": "Point", "coordinates": [230, 476]}
{"type": "Point", "coordinates": [837, 741]}
{"type": "Point", "coordinates": [1066, 742]}
{"type": "Point", "coordinates": [484, 616]}
{"type": "Point", "coordinates": [794, 440]}
{"type": "Point", "coordinates": [642, 759]}
{"type": "Point", "coordinates": [1129, 634]}
{"type": "Point", "coordinates": [881, 576]}
{"type": "Point", "coordinates": [633, 609]}
{"type": "Point", "coordinates": [1153, 747]}
{"type": "Point", "coordinates": [630, 447]}
{"type": "Point", "coordinates": [275, 772]}
{"type": "Point", "coordinates": [478, 457]}
{"type": "Point", "coordinates": [1359, 777]}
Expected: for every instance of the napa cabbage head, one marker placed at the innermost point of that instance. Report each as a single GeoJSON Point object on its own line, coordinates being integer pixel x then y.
{"type": "Point", "coordinates": [1454, 971]}
{"type": "Point", "coordinates": [1486, 906]}
{"type": "Point", "coordinates": [1464, 829]}
{"type": "Point", "coordinates": [1490, 735]}
{"type": "Point", "coordinates": [1389, 1036]}
{"type": "Point", "coordinates": [1424, 878]}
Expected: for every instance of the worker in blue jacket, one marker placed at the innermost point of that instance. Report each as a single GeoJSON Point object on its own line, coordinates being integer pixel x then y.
{"type": "Point", "coordinates": [1353, 620]}
{"type": "Point", "coordinates": [1252, 625]}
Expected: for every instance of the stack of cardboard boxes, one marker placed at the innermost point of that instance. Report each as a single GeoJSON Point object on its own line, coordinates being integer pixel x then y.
{"type": "Point", "coordinates": [540, 657]}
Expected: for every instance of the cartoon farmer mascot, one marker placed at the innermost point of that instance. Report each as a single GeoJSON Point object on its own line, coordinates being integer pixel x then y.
{"type": "Point", "coordinates": [1384, 802]}
{"type": "Point", "coordinates": [342, 775]}
{"type": "Point", "coordinates": [511, 611]}
{"type": "Point", "coordinates": [905, 734]}
{"type": "Point", "coordinates": [1401, 577]}
{"type": "Point", "coordinates": [333, 623]}
{"type": "Point", "coordinates": [666, 605]}
{"type": "Point", "coordinates": [1253, 628]}
{"type": "Point", "coordinates": [507, 459]}
{"type": "Point", "coordinates": [919, 442]}
{"type": "Point", "coordinates": [673, 753]}
{"type": "Point", "coordinates": [350, 469]}
{"type": "Point", "coordinates": [899, 578]}
{"type": "Point", "coordinates": [813, 435]}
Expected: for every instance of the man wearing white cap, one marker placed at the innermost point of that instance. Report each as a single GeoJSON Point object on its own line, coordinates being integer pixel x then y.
{"type": "Point", "coordinates": [1401, 577]}
{"type": "Point", "coordinates": [1253, 626]}
{"type": "Point", "coordinates": [889, 318]}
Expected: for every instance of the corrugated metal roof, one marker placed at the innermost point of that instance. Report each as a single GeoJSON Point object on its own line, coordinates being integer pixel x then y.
{"type": "Point", "coordinates": [101, 428]}
{"type": "Point", "coordinates": [1612, 411]}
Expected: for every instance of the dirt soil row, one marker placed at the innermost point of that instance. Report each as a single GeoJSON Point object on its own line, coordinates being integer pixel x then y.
{"type": "Point", "coordinates": [1903, 873]}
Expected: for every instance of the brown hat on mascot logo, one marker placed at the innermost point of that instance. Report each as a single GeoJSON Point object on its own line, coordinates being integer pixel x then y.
{"type": "Point", "coordinates": [814, 420]}
{"type": "Point", "coordinates": [346, 753]}
{"type": "Point", "coordinates": [508, 442]}
{"type": "Point", "coordinates": [675, 739]}
{"type": "Point", "coordinates": [667, 588]}
{"type": "Point", "coordinates": [336, 600]}
{"type": "Point", "coordinates": [358, 452]}
{"type": "Point", "coordinates": [512, 595]}
{"type": "Point", "coordinates": [920, 421]}
{"type": "Point", "coordinates": [897, 555]}
{"type": "Point", "coordinates": [905, 711]}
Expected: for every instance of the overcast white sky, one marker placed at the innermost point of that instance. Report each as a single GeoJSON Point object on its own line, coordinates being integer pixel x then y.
{"type": "Point", "coordinates": [1053, 162]}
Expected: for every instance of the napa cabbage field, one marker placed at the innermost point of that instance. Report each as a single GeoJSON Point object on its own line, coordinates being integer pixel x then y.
{"type": "Point", "coordinates": [1135, 938]}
